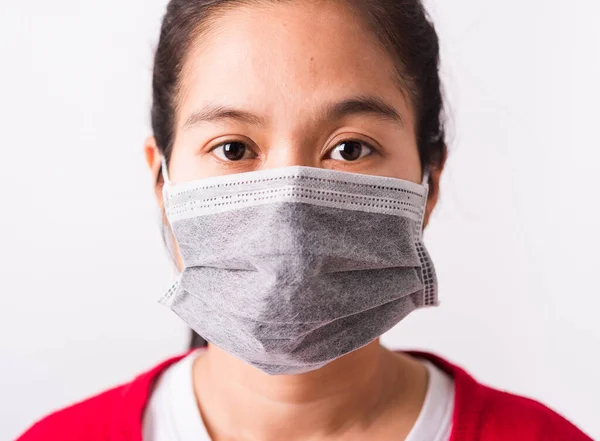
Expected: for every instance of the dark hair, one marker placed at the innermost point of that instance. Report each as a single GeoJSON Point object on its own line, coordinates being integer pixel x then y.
{"type": "Point", "coordinates": [402, 26]}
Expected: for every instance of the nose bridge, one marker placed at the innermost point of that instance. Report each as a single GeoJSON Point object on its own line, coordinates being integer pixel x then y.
{"type": "Point", "coordinates": [291, 152]}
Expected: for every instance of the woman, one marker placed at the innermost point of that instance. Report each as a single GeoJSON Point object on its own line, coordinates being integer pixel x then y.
{"type": "Point", "coordinates": [297, 149]}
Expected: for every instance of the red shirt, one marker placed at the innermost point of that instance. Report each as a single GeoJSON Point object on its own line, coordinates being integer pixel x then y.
{"type": "Point", "coordinates": [480, 413]}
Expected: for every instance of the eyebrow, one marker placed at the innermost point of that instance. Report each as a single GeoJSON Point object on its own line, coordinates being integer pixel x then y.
{"type": "Point", "coordinates": [361, 105]}
{"type": "Point", "coordinates": [358, 105]}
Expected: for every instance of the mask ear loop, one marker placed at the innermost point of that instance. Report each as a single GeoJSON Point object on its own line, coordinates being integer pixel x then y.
{"type": "Point", "coordinates": [166, 180]}
{"type": "Point", "coordinates": [425, 184]}
{"type": "Point", "coordinates": [163, 170]}
{"type": "Point", "coordinates": [426, 174]}
{"type": "Point", "coordinates": [166, 232]}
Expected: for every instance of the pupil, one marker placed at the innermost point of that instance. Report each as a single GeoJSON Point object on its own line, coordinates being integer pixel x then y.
{"type": "Point", "coordinates": [350, 150]}
{"type": "Point", "coordinates": [234, 150]}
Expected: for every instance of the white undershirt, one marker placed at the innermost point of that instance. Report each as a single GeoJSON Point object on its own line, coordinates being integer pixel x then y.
{"type": "Point", "coordinates": [172, 413]}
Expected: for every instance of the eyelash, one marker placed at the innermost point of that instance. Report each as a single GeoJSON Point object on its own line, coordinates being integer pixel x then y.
{"type": "Point", "coordinates": [363, 143]}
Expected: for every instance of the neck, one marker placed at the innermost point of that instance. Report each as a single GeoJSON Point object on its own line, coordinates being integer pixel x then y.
{"type": "Point", "coordinates": [347, 395]}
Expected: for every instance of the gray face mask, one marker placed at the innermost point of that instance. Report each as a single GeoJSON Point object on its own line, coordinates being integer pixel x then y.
{"type": "Point", "coordinates": [288, 269]}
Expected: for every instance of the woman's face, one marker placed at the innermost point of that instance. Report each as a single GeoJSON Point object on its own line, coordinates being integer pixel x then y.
{"type": "Point", "coordinates": [280, 84]}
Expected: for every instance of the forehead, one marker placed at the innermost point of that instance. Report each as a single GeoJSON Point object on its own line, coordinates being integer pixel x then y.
{"type": "Point", "coordinates": [283, 57]}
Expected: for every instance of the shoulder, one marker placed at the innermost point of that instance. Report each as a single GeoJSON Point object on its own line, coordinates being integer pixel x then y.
{"type": "Point", "coordinates": [113, 414]}
{"type": "Point", "coordinates": [505, 415]}
{"type": "Point", "coordinates": [488, 414]}
{"type": "Point", "coordinates": [78, 421]}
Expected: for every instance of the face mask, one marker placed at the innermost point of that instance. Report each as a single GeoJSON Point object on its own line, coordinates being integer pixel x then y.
{"type": "Point", "coordinates": [288, 269]}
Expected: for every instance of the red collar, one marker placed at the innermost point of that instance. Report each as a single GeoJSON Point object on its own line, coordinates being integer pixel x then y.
{"type": "Point", "coordinates": [127, 420]}
{"type": "Point", "coordinates": [126, 423]}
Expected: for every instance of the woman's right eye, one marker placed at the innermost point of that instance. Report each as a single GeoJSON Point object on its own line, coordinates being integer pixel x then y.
{"type": "Point", "coordinates": [232, 151]}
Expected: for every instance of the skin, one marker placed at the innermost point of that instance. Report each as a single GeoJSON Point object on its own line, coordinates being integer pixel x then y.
{"type": "Point", "coordinates": [262, 60]}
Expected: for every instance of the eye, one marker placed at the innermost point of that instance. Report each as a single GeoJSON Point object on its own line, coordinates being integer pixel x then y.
{"type": "Point", "coordinates": [351, 150]}
{"type": "Point", "coordinates": [232, 151]}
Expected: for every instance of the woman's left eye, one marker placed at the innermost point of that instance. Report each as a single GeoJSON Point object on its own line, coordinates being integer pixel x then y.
{"type": "Point", "coordinates": [350, 150]}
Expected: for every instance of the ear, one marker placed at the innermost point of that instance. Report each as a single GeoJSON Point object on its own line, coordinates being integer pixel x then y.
{"type": "Point", "coordinates": [435, 174]}
{"type": "Point", "coordinates": [153, 159]}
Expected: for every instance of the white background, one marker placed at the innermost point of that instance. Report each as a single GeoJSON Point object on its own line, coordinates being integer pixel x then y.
{"type": "Point", "coordinates": [515, 238]}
